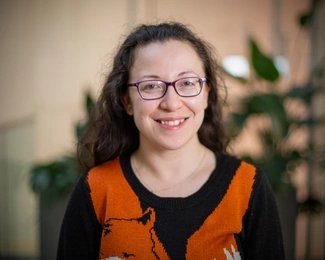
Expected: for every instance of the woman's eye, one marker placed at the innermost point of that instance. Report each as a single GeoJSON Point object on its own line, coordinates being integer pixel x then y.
{"type": "Point", "coordinates": [188, 83]}
{"type": "Point", "coordinates": [150, 86]}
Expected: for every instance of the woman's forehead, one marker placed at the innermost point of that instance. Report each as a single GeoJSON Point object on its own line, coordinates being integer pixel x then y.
{"type": "Point", "coordinates": [167, 55]}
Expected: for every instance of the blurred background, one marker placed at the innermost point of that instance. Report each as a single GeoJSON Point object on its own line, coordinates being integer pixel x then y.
{"type": "Point", "coordinates": [54, 56]}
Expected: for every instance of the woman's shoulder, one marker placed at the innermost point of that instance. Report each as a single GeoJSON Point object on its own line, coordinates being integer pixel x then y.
{"type": "Point", "coordinates": [101, 180]}
{"type": "Point", "coordinates": [105, 172]}
{"type": "Point", "coordinates": [229, 160]}
{"type": "Point", "coordinates": [244, 168]}
{"type": "Point", "coordinates": [235, 166]}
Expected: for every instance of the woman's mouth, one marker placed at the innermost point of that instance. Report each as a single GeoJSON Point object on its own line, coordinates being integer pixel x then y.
{"type": "Point", "coordinates": [171, 122]}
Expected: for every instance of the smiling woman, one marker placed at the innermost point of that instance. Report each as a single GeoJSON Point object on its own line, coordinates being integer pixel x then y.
{"type": "Point", "coordinates": [158, 120]}
{"type": "Point", "coordinates": [159, 184]}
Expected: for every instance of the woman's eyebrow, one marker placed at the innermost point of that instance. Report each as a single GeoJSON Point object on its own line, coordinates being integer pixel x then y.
{"type": "Point", "coordinates": [153, 76]}
{"type": "Point", "coordinates": [186, 72]}
{"type": "Point", "coordinates": [149, 77]}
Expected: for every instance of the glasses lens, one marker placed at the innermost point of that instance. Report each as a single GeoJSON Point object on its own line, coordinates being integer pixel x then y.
{"type": "Point", "coordinates": [152, 89]}
{"type": "Point", "coordinates": [188, 86]}
{"type": "Point", "coordinates": [185, 87]}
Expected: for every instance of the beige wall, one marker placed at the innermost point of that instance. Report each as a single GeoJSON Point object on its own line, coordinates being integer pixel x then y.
{"type": "Point", "coordinates": [18, 207]}
{"type": "Point", "coordinates": [52, 50]}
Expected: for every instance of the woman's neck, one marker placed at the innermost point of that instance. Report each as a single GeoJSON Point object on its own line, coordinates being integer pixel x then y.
{"type": "Point", "coordinates": [173, 173]}
{"type": "Point", "coordinates": [164, 163]}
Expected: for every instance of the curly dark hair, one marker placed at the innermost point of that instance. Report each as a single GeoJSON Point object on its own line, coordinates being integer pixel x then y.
{"type": "Point", "coordinates": [112, 131]}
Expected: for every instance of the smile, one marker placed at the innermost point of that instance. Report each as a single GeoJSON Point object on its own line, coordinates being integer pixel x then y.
{"type": "Point", "coordinates": [172, 123]}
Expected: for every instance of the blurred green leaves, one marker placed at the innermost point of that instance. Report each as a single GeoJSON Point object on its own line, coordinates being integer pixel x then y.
{"type": "Point", "coordinates": [306, 18]}
{"type": "Point", "coordinates": [54, 179]}
{"type": "Point", "coordinates": [265, 104]}
{"type": "Point", "coordinates": [262, 64]}
{"type": "Point", "coordinates": [264, 100]}
{"type": "Point", "coordinates": [81, 126]}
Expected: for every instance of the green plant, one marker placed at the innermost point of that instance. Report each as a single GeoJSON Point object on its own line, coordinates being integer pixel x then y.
{"type": "Point", "coordinates": [55, 179]}
{"type": "Point", "coordinates": [268, 103]}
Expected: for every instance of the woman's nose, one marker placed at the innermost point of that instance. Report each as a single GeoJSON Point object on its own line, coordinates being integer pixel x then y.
{"type": "Point", "coordinates": [171, 100]}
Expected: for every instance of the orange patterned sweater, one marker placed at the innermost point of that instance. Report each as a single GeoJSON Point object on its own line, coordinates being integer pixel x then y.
{"type": "Point", "coordinates": [111, 215]}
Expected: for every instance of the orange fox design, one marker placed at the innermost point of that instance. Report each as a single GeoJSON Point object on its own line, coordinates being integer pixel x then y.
{"type": "Point", "coordinates": [132, 238]}
{"type": "Point", "coordinates": [128, 231]}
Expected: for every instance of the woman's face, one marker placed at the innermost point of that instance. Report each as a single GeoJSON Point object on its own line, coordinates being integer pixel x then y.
{"type": "Point", "coordinates": [171, 122]}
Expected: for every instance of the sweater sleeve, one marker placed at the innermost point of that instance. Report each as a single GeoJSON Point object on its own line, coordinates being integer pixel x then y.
{"type": "Point", "coordinates": [262, 228]}
{"type": "Point", "coordinates": [80, 231]}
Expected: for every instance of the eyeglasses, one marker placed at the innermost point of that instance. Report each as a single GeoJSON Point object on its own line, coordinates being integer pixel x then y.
{"type": "Point", "coordinates": [155, 89]}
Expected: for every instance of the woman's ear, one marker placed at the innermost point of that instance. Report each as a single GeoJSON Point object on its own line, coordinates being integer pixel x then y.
{"type": "Point", "coordinates": [127, 104]}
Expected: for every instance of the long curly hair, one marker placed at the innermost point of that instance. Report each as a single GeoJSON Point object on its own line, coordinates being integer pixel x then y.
{"type": "Point", "coordinates": [112, 131]}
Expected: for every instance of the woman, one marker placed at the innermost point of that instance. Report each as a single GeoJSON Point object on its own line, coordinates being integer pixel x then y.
{"type": "Point", "coordinates": [159, 184]}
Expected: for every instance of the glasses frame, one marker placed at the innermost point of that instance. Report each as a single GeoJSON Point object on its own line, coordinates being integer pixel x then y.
{"type": "Point", "coordinates": [172, 83]}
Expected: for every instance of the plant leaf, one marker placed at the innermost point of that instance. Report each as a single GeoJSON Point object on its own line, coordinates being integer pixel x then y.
{"type": "Point", "coordinates": [271, 105]}
{"type": "Point", "coordinates": [80, 128]}
{"type": "Point", "coordinates": [306, 18]}
{"type": "Point", "coordinates": [89, 103]}
{"type": "Point", "coordinates": [239, 119]}
{"type": "Point", "coordinates": [304, 93]}
{"type": "Point", "coordinates": [262, 64]}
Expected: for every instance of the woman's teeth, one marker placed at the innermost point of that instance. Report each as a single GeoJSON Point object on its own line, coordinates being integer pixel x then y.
{"type": "Point", "coordinates": [172, 123]}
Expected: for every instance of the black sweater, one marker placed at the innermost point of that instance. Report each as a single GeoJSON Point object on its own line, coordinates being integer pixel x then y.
{"type": "Point", "coordinates": [111, 215]}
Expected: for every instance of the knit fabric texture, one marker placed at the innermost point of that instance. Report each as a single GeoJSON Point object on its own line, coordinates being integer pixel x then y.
{"type": "Point", "coordinates": [233, 216]}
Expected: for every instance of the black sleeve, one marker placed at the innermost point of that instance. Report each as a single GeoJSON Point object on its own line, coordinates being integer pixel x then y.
{"type": "Point", "coordinates": [80, 231]}
{"type": "Point", "coordinates": [262, 228]}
